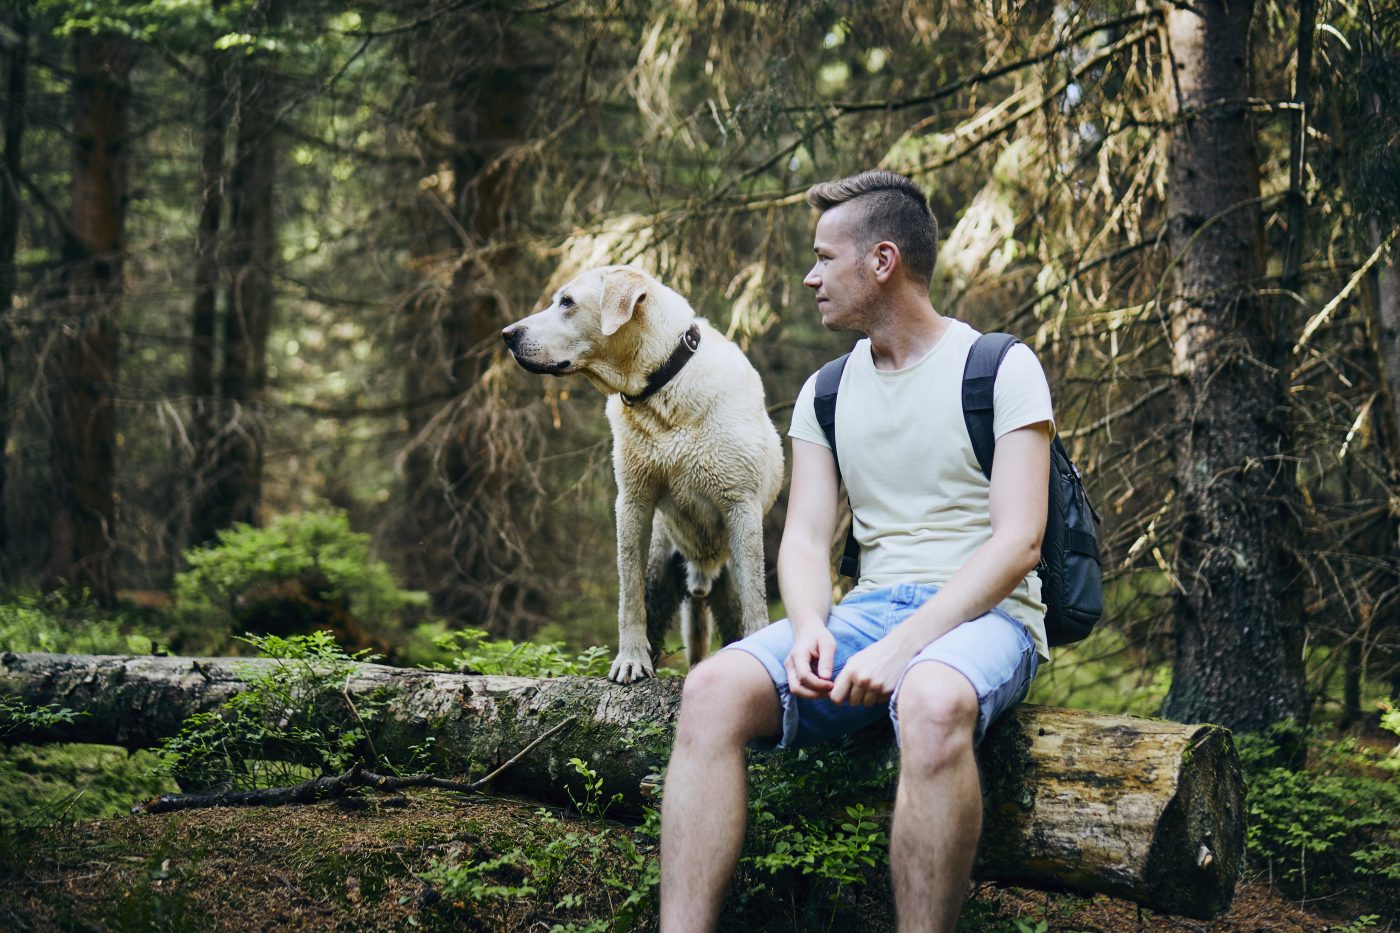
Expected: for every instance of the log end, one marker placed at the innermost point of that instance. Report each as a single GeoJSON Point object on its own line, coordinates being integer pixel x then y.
{"type": "Point", "coordinates": [1198, 851]}
{"type": "Point", "coordinates": [1148, 810]}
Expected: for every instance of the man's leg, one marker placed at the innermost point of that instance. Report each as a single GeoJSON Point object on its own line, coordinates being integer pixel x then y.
{"type": "Point", "coordinates": [938, 808]}
{"type": "Point", "coordinates": [728, 701]}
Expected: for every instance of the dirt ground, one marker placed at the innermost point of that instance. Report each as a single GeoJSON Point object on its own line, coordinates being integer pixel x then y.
{"type": "Point", "coordinates": [326, 867]}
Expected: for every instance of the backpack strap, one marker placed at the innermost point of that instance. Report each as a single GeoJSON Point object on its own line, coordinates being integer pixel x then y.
{"type": "Point", "coordinates": [979, 391]}
{"type": "Point", "coordinates": [828, 384]}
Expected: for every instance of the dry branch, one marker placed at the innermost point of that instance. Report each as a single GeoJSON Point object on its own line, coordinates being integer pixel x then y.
{"type": "Point", "coordinates": [1142, 809]}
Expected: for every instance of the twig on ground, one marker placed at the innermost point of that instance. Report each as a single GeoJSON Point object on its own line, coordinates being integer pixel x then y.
{"type": "Point", "coordinates": [329, 787]}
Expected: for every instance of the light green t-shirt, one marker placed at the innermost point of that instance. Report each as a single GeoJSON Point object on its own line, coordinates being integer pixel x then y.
{"type": "Point", "coordinates": [919, 499]}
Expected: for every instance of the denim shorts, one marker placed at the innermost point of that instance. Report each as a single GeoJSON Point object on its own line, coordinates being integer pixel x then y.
{"type": "Point", "coordinates": [994, 652]}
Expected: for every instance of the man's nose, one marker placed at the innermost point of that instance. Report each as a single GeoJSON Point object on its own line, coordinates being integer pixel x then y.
{"type": "Point", "coordinates": [812, 281]}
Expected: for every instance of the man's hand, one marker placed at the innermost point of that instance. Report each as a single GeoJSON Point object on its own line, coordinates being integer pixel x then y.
{"type": "Point", "coordinates": [809, 663]}
{"type": "Point", "coordinates": [872, 673]}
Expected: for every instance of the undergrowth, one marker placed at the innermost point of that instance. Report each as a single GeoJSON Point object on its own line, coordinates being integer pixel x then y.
{"type": "Point", "coordinates": [1329, 830]}
{"type": "Point", "coordinates": [70, 623]}
{"type": "Point", "coordinates": [294, 720]}
{"type": "Point", "coordinates": [498, 875]}
{"type": "Point", "coordinates": [473, 651]}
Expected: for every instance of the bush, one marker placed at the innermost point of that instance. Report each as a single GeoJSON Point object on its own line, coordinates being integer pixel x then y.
{"type": "Point", "coordinates": [814, 848]}
{"type": "Point", "coordinates": [291, 723]}
{"type": "Point", "coordinates": [1329, 829]}
{"type": "Point", "coordinates": [473, 651]}
{"type": "Point", "coordinates": [607, 871]}
{"type": "Point", "coordinates": [310, 567]}
{"type": "Point", "coordinates": [63, 622]}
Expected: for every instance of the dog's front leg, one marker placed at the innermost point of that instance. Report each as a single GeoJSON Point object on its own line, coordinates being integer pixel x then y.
{"type": "Point", "coordinates": [746, 551]}
{"type": "Point", "coordinates": [634, 517]}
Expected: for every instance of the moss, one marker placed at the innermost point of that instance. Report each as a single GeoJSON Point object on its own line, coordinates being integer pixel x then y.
{"type": "Point", "coordinates": [73, 781]}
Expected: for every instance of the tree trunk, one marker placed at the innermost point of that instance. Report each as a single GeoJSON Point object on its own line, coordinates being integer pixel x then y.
{"type": "Point", "coordinates": [203, 397]}
{"type": "Point", "coordinates": [1142, 809]}
{"type": "Point", "coordinates": [83, 374]}
{"type": "Point", "coordinates": [458, 513]}
{"type": "Point", "coordinates": [1385, 336]}
{"type": "Point", "coordinates": [15, 118]}
{"type": "Point", "coordinates": [236, 474]}
{"type": "Point", "coordinates": [1238, 620]}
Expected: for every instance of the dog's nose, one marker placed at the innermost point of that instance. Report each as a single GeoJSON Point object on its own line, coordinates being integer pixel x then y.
{"type": "Point", "coordinates": [511, 334]}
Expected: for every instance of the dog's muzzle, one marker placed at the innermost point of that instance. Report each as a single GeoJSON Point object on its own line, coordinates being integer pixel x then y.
{"type": "Point", "coordinates": [514, 337]}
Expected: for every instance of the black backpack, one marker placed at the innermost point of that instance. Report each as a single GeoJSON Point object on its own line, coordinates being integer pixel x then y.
{"type": "Point", "coordinates": [1071, 583]}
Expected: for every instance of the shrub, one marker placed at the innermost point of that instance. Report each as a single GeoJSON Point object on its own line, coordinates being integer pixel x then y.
{"type": "Point", "coordinates": [292, 722]}
{"type": "Point", "coordinates": [72, 624]}
{"type": "Point", "coordinates": [814, 844]}
{"type": "Point", "coordinates": [473, 651]}
{"type": "Point", "coordinates": [1329, 829]}
{"type": "Point", "coordinates": [607, 871]}
{"type": "Point", "coordinates": [310, 566]}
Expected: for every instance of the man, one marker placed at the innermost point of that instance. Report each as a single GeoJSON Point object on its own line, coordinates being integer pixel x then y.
{"type": "Point", "coordinates": [944, 628]}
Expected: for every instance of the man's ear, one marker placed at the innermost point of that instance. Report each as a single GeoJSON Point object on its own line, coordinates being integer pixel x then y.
{"type": "Point", "coordinates": [884, 259]}
{"type": "Point", "coordinates": [623, 291]}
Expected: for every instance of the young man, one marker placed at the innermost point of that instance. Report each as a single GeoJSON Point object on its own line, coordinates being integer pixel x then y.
{"type": "Point", "coordinates": [944, 628]}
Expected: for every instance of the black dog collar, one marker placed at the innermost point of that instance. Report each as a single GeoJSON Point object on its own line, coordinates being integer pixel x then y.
{"type": "Point", "coordinates": [690, 342]}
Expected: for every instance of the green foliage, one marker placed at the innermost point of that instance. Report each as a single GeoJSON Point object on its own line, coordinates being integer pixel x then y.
{"type": "Point", "coordinates": [41, 784]}
{"type": "Point", "coordinates": [624, 873]}
{"type": "Point", "coordinates": [1102, 673]}
{"type": "Point", "coordinates": [315, 547]}
{"type": "Point", "coordinates": [293, 721]}
{"type": "Point", "coordinates": [814, 862]}
{"type": "Point", "coordinates": [842, 855]}
{"type": "Point", "coordinates": [63, 622]}
{"type": "Point", "coordinates": [17, 715]}
{"type": "Point", "coordinates": [473, 651]}
{"type": "Point", "coordinates": [1330, 828]}
{"type": "Point", "coordinates": [592, 806]}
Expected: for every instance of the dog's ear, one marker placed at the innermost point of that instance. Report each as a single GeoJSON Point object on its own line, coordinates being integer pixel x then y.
{"type": "Point", "coordinates": [623, 291]}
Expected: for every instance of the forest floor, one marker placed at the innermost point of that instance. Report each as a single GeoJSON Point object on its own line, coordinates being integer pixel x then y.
{"type": "Point", "coordinates": [326, 866]}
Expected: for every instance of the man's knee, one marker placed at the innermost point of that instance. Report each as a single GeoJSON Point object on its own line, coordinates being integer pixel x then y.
{"type": "Point", "coordinates": [728, 696]}
{"type": "Point", "coordinates": [937, 709]}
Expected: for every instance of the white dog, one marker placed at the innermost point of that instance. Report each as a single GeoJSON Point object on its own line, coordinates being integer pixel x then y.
{"type": "Point", "coordinates": [697, 459]}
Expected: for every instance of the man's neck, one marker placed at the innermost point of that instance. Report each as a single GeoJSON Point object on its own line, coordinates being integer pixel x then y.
{"type": "Point", "coordinates": [906, 334]}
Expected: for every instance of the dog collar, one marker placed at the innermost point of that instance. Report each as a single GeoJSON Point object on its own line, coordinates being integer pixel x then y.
{"type": "Point", "coordinates": [690, 342]}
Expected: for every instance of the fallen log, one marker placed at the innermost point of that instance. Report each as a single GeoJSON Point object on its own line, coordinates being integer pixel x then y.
{"type": "Point", "coordinates": [1147, 810]}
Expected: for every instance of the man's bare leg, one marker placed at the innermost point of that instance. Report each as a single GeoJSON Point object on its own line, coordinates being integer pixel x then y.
{"type": "Point", "coordinates": [728, 701]}
{"type": "Point", "coordinates": [938, 808]}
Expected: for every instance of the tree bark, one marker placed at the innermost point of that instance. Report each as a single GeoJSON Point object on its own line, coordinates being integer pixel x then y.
{"type": "Point", "coordinates": [1385, 335]}
{"type": "Point", "coordinates": [458, 472]}
{"type": "Point", "coordinates": [83, 370]}
{"type": "Point", "coordinates": [1148, 810]}
{"type": "Point", "coordinates": [203, 521]}
{"type": "Point", "coordinates": [236, 474]}
{"type": "Point", "coordinates": [16, 112]}
{"type": "Point", "coordinates": [1238, 624]}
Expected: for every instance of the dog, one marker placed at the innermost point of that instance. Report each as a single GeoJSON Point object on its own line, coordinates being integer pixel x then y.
{"type": "Point", "coordinates": [697, 459]}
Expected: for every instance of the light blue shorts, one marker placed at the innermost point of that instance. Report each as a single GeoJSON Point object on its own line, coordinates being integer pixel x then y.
{"type": "Point", "coordinates": [994, 652]}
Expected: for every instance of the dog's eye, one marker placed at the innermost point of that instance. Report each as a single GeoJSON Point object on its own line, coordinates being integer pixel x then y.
{"type": "Point", "coordinates": [565, 302]}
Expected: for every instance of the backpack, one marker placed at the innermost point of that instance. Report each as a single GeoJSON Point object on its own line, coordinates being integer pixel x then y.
{"type": "Point", "coordinates": [1071, 583]}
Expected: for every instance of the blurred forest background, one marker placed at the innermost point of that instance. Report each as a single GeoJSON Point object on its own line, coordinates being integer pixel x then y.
{"type": "Point", "coordinates": [255, 257]}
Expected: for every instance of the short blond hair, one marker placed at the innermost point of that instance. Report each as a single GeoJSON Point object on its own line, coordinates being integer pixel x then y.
{"type": "Point", "coordinates": [889, 207]}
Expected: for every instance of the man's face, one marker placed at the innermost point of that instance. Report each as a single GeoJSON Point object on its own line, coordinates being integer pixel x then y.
{"type": "Point", "coordinates": [841, 277]}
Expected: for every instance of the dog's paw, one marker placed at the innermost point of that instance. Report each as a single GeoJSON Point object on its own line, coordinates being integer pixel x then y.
{"type": "Point", "coordinates": [631, 665]}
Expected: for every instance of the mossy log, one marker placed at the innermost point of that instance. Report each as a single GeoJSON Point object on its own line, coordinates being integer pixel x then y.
{"type": "Point", "coordinates": [1147, 810]}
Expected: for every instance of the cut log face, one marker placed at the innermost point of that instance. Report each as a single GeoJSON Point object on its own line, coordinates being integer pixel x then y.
{"type": "Point", "coordinates": [1114, 804]}
{"type": "Point", "coordinates": [1147, 810]}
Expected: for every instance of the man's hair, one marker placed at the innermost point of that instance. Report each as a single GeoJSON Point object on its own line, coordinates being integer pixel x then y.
{"type": "Point", "coordinates": [888, 206]}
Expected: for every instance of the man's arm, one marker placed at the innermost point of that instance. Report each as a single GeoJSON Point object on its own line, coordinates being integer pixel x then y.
{"type": "Point", "coordinates": [804, 567]}
{"type": "Point", "coordinates": [1020, 478]}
